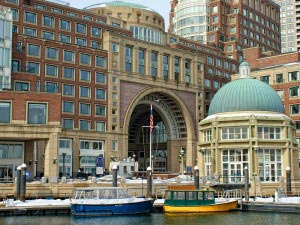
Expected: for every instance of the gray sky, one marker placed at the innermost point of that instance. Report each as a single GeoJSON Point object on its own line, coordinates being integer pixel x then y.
{"type": "Point", "coordinates": [160, 6]}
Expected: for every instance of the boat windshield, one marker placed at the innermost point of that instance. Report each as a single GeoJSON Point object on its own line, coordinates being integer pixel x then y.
{"type": "Point", "coordinates": [101, 194]}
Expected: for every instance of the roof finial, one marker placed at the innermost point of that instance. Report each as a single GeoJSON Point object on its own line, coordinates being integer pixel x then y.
{"type": "Point", "coordinates": [244, 69]}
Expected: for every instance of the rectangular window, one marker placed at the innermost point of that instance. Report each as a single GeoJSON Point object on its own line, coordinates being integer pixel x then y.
{"type": "Point", "coordinates": [68, 72]}
{"type": "Point", "coordinates": [68, 124]}
{"type": "Point", "coordinates": [100, 78]}
{"type": "Point", "coordinates": [294, 91]}
{"type": "Point", "coordinates": [114, 47]}
{"type": "Point", "coordinates": [5, 112]}
{"type": "Point", "coordinates": [273, 133]}
{"type": "Point", "coordinates": [56, 10]}
{"type": "Point", "coordinates": [37, 113]}
{"type": "Point", "coordinates": [68, 89]}
{"type": "Point", "coordinates": [234, 133]}
{"type": "Point", "coordinates": [30, 17]}
{"type": "Point", "coordinates": [293, 76]}
{"type": "Point", "coordinates": [68, 107]}
{"type": "Point", "coordinates": [15, 14]}
{"type": "Point", "coordinates": [177, 68]}
{"type": "Point", "coordinates": [265, 79]}
{"type": "Point", "coordinates": [33, 67]}
{"type": "Point", "coordinates": [65, 25]}
{"type": "Point", "coordinates": [100, 126]}
{"type": "Point", "coordinates": [85, 92]}
{"type": "Point", "coordinates": [51, 70]}
{"type": "Point", "coordinates": [16, 66]}
{"type": "Point", "coordinates": [100, 62]}
{"type": "Point", "coordinates": [30, 31]}
{"type": "Point", "coordinates": [142, 61]}
{"type": "Point", "coordinates": [210, 60]}
{"type": "Point", "coordinates": [100, 110]}
{"type": "Point", "coordinates": [21, 86]}
{"type": "Point", "coordinates": [96, 44]}
{"type": "Point", "coordinates": [207, 135]}
{"type": "Point", "coordinates": [48, 21]}
{"type": "Point", "coordinates": [187, 71]}
{"type": "Point", "coordinates": [279, 78]}
{"type": "Point", "coordinates": [154, 56]}
{"type": "Point", "coordinates": [294, 109]}
{"type": "Point", "coordinates": [41, 7]}
{"type": "Point", "coordinates": [33, 50]}
{"type": "Point", "coordinates": [128, 59]}
{"type": "Point", "coordinates": [69, 56]}
{"type": "Point", "coordinates": [64, 38]}
{"type": "Point", "coordinates": [80, 28]}
{"type": "Point", "coordinates": [270, 164]}
{"type": "Point", "coordinates": [47, 35]}
{"type": "Point", "coordinates": [81, 41]}
{"type": "Point", "coordinates": [85, 75]}
{"type": "Point", "coordinates": [84, 109]}
{"type": "Point", "coordinates": [85, 59]}
{"type": "Point", "coordinates": [96, 31]}
{"type": "Point", "coordinates": [51, 53]}
{"type": "Point", "coordinates": [166, 66]}
{"type": "Point", "coordinates": [51, 87]}
{"type": "Point", "coordinates": [84, 125]}
{"type": "Point", "coordinates": [100, 94]}
{"type": "Point", "coordinates": [72, 14]}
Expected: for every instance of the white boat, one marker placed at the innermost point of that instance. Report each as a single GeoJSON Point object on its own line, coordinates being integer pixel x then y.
{"type": "Point", "coordinates": [107, 201]}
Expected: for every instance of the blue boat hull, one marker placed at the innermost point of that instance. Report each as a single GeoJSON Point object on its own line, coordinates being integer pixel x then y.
{"type": "Point", "coordinates": [113, 209]}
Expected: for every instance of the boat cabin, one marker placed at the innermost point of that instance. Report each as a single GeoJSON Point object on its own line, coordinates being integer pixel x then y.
{"type": "Point", "coordinates": [189, 197]}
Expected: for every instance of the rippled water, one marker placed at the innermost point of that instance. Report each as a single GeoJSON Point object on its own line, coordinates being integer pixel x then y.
{"type": "Point", "coordinates": [234, 218]}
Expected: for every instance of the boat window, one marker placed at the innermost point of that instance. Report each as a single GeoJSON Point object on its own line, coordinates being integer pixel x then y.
{"type": "Point", "coordinates": [209, 196]}
{"type": "Point", "coordinates": [200, 195]}
{"type": "Point", "coordinates": [191, 195]}
{"type": "Point", "coordinates": [168, 195]}
{"type": "Point", "coordinates": [179, 195]}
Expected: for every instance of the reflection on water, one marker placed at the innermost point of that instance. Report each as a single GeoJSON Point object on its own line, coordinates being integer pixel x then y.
{"type": "Point", "coordinates": [233, 218]}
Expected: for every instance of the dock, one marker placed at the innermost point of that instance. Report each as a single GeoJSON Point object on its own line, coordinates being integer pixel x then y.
{"type": "Point", "coordinates": [271, 207]}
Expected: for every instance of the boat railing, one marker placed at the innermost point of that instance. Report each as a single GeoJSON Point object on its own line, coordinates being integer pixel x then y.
{"type": "Point", "coordinates": [230, 194]}
{"type": "Point", "coordinates": [221, 179]}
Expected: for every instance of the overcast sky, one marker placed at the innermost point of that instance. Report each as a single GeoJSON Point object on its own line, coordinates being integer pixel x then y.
{"type": "Point", "coordinates": [160, 6]}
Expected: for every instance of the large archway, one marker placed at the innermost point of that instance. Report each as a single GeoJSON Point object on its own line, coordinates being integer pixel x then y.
{"type": "Point", "coordinates": [174, 130]}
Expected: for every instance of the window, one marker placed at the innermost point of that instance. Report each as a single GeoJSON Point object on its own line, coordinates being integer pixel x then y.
{"type": "Point", "coordinates": [13, 1]}
{"type": "Point", "coordinates": [48, 35]}
{"type": "Point", "coordinates": [51, 87]}
{"type": "Point", "coordinates": [16, 66]}
{"type": "Point", "coordinates": [293, 76]}
{"type": "Point", "coordinates": [68, 72]}
{"type": "Point", "coordinates": [30, 31]}
{"type": "Point", "coordinates": [100, 126]}
{"type": "Point", "coordinates": [294, 91]}
{"type": "Point", "coordinates": [65, 38]}
{"type": "Point", "coordinates": [96, 44]}
{"type": "Point", "coordinates": [100, 94]}
{"type": "Point", "coordinates": [294, 109]}
{"type": "Point", "coordinates": [81, 41]}
{"type": "Point", "coordinates": [216, 84]}
{"type": "Point", "coordinates": [15, 14]}
{"type": "Point", "coordinates": [214, 9]}
{"type": "Point", "coordinates": [141, 61]}
{"type": "Point", "coordinates": [85, 75]}
{"type": "Point", "coordinates": [5, 112]}
{"type": "Point", "coordinates": [89, 18]}
{"type": "Point", "coordinates": [72, 14]}
{"type": "Point", "coordinates": [187, 71]}
{"type": "Point", "coordinates": [69, 56]}
{"type": "Point", "coordinates": [100, 78]}
{"type": "Point", "coordinates": [68, 107]}
{"type": "Point", "coordinates": [33, 67]}
{"type": "Point", "coordinates": [41, 7]}
{"type": "Point", "coordinates": [85, 59]}
{"type": "Point", "coordinates": [207, 135]}
{"type": "Point", "coordinates": [279, 78]}
{"type": "Point", "coordinates": [56, 10]}
{"type": "Point", "coordinates": [207, 83]}
{"type": "Point", "coordinates": [114, 47]}
{"type": "Point", "coordinates": [48, 21]}
{"type": "Point", "coordinates": [270, 164]}
{"type": "Point", "coordinates": [96, 31]}
{"type": "Point", "coordinates": [165, 66]}
{"type": "Point", "coordinates": [21, 86]}
{"type": "Point", "coordinates": [30, 17]}
{"type": "Point", "coordinates": [234, 133]}
{"type": "Point", "coordinates": [154, 64]}
{"type": "Point", "coordinates": [128, 59]}
{"type": "Point", "coordinates": [80, 28]}
{"type": "Point", "coordinates": [84, 108]}
{"type": "Point", "coordinates": [68, 124]}
{"type": "Point", "coordinates": [177, 68]}
{"type": "Point", "coordinates": [269, 133]}
{"type": "Point", "coordinates": [65, 25]}
{"type": "Point", "coordinates": [51, 70]}
{"type": "Point", "coordinates": [280, 93]}
{"type": "Point", "coordinates": [51, 53]}
{"type": "Point", "coordinates": [85, 92]}
{"type": "Point", "coordinates": [265, 79]}
{"type": "Point", "coordinates": [100, 110]}
{"type": "Point", "coordinates": [100, 62]}
{"type": "Point", "coordinates": [114, 145]}
{"type": "Point", "coordinates": [68, 89]}
{"type": "Point", "coordinates": [210, 60]}
{"type": "Point", "coordinates": [37, 113]}
{"type": "Point", "coordinates": [33, 50]}
{"type": "Point", "coordinates": [84, 125]}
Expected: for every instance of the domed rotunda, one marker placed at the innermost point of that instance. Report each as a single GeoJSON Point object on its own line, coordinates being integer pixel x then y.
{"type": "Point", "coordinates": [246, 127]}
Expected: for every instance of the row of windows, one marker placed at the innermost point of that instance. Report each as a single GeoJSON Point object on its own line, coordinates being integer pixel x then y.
{"type": "Point", "coordinates": [53, 71]}
{"type": "Point", "coordinates": [84, 108]}
{"type": "Point", "coordinates": [280, 78]}
{"type": "Point", "coordinates": [240, 133]}
{"type": "Point", "coordinates": [68, 56]}
{"type": "Point", "coordinates": [84, 125]}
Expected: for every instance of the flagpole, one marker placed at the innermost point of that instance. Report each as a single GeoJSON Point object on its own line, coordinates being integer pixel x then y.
{"type": "Point", "coordinates": [150, 158]}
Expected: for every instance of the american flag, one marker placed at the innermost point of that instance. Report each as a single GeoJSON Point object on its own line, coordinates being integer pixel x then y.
{"type": "Point", "coordinates": [151, 119]}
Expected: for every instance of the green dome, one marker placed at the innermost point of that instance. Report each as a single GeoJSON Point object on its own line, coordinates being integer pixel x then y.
{"type": "Point", "coordinates": [246, 95]}
{"type": "Point", "coordinates": [120, 4]}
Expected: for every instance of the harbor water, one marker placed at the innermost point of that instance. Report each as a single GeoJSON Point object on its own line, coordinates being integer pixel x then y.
{"type": "Point", "coordinates": [231, 218]}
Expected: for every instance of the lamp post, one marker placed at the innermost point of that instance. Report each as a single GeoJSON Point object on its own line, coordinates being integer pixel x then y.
{"type": "Point", "coordinates": [181, 155]}
{"type": "Point", "coordinates": [288, 181]}
{"type": "Point", "coordinates": [254, 175]}
{"type": "Point", "coordinates": [63, 167]}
